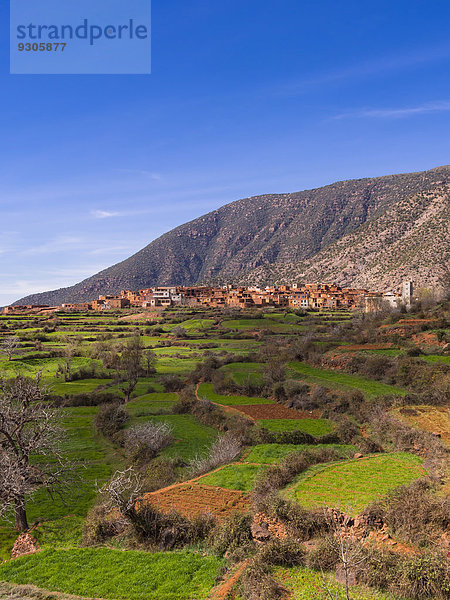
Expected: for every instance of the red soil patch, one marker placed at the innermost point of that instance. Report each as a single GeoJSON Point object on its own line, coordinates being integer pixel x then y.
{"type": "Point", "coordinates": [222, 590]}
{"type": "Point", "coordinates": [193, 499]}
{"type": "Point", "coordinates": [276, 411]}
{"type": "Point", "coordinates": [427, 338]}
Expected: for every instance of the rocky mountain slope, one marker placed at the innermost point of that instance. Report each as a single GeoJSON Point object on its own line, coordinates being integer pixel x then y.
{"type": "Point", "coordinates": [372, 232]}
{"type": "Point", "coordinates": [410, 240]}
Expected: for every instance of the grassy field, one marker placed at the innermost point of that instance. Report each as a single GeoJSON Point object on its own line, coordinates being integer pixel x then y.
{"type": "Point", "coordinates": [150, 405]}
{"type": "Point", "coordinates": [354, 484]}
{"type": "Point", "coordinates": [117, 575]}
{"type": "Point", "coordinates": [206, 390]}
{"type": "Point", "coordinates": [32, 366]}
{"type": "Point", "coordinates": [335, 379]}
{"type": "Point", "coordinates": [274, 325]}
{"type": "Point", "coordinates": [274, 453]}
{"type": "Point", "coordinates": [191, 438]}
{"type": "Point", "coordinates": [316, 427]}
{"type": "Point", "coordinates": [82, 386]}
{"type": "Point", "coordinates": [306, 584]}
{"type": "Point", "coordinates": [102, 572]}
{"type": "Point", "coordinates": [436, 358]}
{"type": "Point", "coordinates": [234, 477]}
{"type": "Point", "coordinates": [244, 373]}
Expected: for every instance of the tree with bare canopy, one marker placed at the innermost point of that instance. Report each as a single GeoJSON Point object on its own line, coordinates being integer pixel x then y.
{"type": "Point", "coordinates": [10, 346]}
{"type": "Point", "coordinates": [30, 446]}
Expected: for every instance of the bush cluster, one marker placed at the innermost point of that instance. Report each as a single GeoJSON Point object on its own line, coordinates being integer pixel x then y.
{"type": "Point", "coordinates": [110, 420]}
{"type": "Point", "coordinates": [144, 441]}
{"type": "Point", "coordinates": [223, 451]}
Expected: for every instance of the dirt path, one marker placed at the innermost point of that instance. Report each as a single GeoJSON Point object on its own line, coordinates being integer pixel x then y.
{"type": "Point", "coordinates": [221, 591]}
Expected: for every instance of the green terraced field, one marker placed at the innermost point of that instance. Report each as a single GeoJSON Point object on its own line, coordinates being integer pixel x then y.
{"type": "Point", "coordinates": [32, 366]}
{"type": "Point", "coordinates": [116, 575]}
{"type": "Point", "coordinates": [243, 373]}
{"type": "Point", "coordinates": [316, 427]}
{"type": "Point", "coordinates": [234, 477]}
{"type": "Point", "coordinates": [274, 453]}
{"type": "Point", "coordinates": [81, 386]}
{"type": "Point", "coordinates": [273, 325]}
{"type": "Point", "coordinates": [353, 484]}
{"type": "Point", "coordinates": [206, 390]}
{"type": "Point", "coordinates": [150, 404]}
{"type": "Point", "coordinates": [335, 379]}
{"type": "Point", "coordinates": [191, 437]}
{"type": "Point", "coordinates": [306, 584]}
{"type": "Point", "coordinates": [436, 358]}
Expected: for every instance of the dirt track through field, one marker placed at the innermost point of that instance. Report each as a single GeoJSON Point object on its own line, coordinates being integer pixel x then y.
{"type": "Point", "coordinates": [223, 589]}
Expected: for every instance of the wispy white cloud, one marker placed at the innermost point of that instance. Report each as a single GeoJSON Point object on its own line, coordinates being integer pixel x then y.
{"type": "Point", "coordinates": [396, 113]}
{"type": "Point", "coordinates": [105, 214]}
{"type": "Point", "coordinates": [144, 173]}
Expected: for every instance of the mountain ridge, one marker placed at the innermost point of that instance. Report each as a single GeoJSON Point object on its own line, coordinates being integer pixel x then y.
{"type": "Point", "coordinates": [262, 238]}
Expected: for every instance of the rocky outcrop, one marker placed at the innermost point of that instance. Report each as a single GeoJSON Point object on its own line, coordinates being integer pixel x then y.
{"type": "Point", "coordinates": [24, 544]}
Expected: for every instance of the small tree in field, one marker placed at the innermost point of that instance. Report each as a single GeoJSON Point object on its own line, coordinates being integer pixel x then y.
{"type": "Point", "coordinates": [129, 367]}
{"type": "Point", "coordinates": [149, 362]}
{"type": "Point", "coordinates": [10, 346]}
{"type": "Point", "coordinates": [350, 552]}
{"type": "Point", "coordinates": [30, 440]}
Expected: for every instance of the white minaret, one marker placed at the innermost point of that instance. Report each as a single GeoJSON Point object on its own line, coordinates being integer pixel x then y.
{"type": "Point", "coordinates": [407, 292]}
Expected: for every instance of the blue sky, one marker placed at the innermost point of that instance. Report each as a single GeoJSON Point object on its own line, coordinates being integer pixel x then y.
{"type": "Point", "coordinates": [245, 97]}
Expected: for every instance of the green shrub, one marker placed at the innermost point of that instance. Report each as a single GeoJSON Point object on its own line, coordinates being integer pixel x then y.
{"type": "Point", "coordinates": [160, 472]}
{"type": "Point", "coordinates": [231, 535]}
{"type": "Point", "coordinates": [284, 553]}
{"type": "Point", "coordinates": [171, 530]}
{"type": "Point", "coordinates": [110, 419]}
{"type": "Point", "coordinates": [422, 577]}
{"type": "Point", "coordinates": [258, 584]}
{"type": "Point", "coordinates": [100, 525]}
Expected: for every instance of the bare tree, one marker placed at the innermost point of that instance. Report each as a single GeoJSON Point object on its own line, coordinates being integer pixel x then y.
{"type": "Point", "coordinates": [148, 438]}
{"type": "Point", "coordinates": [274, 370]}
{"type": "Point", "coordinates": [123, 490]}
{"type": "Point", "coordinates": [10, 346]}
{"type": "Point", "coordinates": [179, 332]}
{"type": "Point", "coordinates": [129, 367]}
{"type": "Point", "coordinates": [349, 549]}
{"type": "Point", "coordinates": [30, 445]}
{"type": "Point", "coordinates": [224, 450]}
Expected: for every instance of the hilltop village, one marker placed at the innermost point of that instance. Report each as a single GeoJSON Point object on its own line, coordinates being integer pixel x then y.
{"type": "Point", "coordinates": [297, 296]}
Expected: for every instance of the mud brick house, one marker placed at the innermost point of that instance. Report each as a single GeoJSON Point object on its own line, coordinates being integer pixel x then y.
{"type": "Point", "coordinates": [80, 307]}
{"type": "Point", "coordinates": [10, 310]}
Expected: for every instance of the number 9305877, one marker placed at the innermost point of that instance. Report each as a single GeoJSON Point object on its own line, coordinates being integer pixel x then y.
{"type": "Point", "coordinates": [42, 47]}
